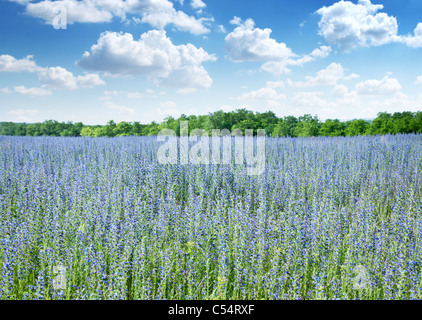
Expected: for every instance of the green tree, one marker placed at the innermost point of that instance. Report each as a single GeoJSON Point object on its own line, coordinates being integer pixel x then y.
{"type": "Point", "coordinates": [33, 130]}
{"type": "Point", "coordinates": [383, 124]}
{"type": "Point", "coordinates": [220, 120]}
{"type": "Point", "coordinates": [307, 126]}
{"type": "Point", "coordinates": [417, 122]}
{"type": "Point", "coordinates": [152, 129]}
{"type": "Point", "coordinates": [137, 128]}
{"type": "Point", "coordinates": [267, 121]}
{"type": "Point", "coordinates": [122, 129]}
{"type": "Point", "coordinates": [402, 122]}
{"type": "Point", "coordinates": [87, 132]}
{"type": "Point", "coordinates": [8, 128]}
{"type": "Point", "coordinates": [109, 128]}
{"type": "Point", "coordinates": [100, 131]}
{"type": "Point", "coordinates": [247, 124]}
{"type": "Point", "coordinates": [285, 127]}
{"type": "Point", "coordinates": [21, 129]}
{"type": "Point", "coordinates": [356, 127]}
{"type": "Point", "coordinates": [332, 128]}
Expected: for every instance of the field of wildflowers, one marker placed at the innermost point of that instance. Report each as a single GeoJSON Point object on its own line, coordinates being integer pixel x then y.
{"type": "Point", "coordinates": [100, 218]}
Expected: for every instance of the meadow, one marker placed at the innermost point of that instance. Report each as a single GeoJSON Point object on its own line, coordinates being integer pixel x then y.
{"type": "Point", "coordinates": [330, 218]}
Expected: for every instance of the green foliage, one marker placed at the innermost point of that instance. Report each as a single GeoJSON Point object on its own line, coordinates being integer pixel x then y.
{"type": "Point", "coordinates": [289, 126]}
{"type": "Point", "coordinates": [285, 127]}
{"type": "Point", "coordinates": [417, 122]}
{"type": "Point", "coordinates": [87, 132]}
{"type": "Point", "coordinates": [356, 127]}
{"type": "Point", "coordinates": [47, 128]}
{"type": "Point", "coordinates": [122, 129]}
{"type": "Point", "coordinates": [307, 126]}
{"type": "Point", "coordinates": [332, 128]}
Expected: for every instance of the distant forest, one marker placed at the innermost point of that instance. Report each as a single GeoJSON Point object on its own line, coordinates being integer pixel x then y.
{"type": "Point", "coordinates": [289, 126]}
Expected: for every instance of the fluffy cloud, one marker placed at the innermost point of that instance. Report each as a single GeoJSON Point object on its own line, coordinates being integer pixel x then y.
{"type": "Point", "coordinates": [280, 67]}
{"type": "Point", "coordinates": [33, 92]}
{"type": "Point", "coordinates": [11, 64]}
{"type": "Point", "coordinates": [415, 41]}
{"type": "Point", "coordinates": [247, 43]}
{"type": "Point", "coordinates": [419, 80]}
{"type": "Point", "coordinates": [182, 22]}
{"type": "Point", "coordinates": [319, 53]}
{"type": "Point", "coordinates": [157, 13]}
{"type": "Point", "coordinates": [76, 11]}
{"type": "Point", "coordinates": [352, 25]}
{"type": "Point", "coordinates": [268, 94]}
{"type": "Point", "coordinates": [90, 80]}
{"type": "Point", "coordinates": [198, 4]}
{"type": "Point", "coordinates": [53, 77]}
{"type": "Point", "coordinates": [187, 79]}
{"type": "Point", "coordinates": [340, 91]}
{"type": "Point", "coordinates": [57, 78]}
{"type": "Point", "coordinates": [385, 86]}
{"type": "Point", "coordinates": [328, 76]}
{"type": "Point", "coordinates": [60, 78]}
{"type": "Point", "coordinates": [153, 55]}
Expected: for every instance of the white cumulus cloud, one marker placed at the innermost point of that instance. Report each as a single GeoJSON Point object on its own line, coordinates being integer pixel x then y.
{"type": "Point", "coordinates": [318, 53]}
{"type": "Point", "coordinates": [385, 86]}
{"type": "Point", "coordinates": [33, 92]}
{"type": "Point", "coordinates": [247, 43]}
{"type": "Point", "coordinates": [153, 55]}
{"type": "Point", "coordinates": [350, 25]}
{"type": "Point", "coordinates": [60, 78]}
{"type": "Point", "coordinates": [76, 11]}
{"type": "Point", "coordinates": [415, 41]}
{"type": "Point", "coordinates": [198, 4]}
{"type": "Point", "coordinates": [11, 64]}
{"type": "Point", "coordinates": [280, 67]}
{"type": "Point", "coordinates": [50, 77]}
{"type": "Point", "coordinates": [90, 80]}
{"type": "Point", "coordinates": [328, 76]}
{"type": "Point", "coordinates": [157, 13]}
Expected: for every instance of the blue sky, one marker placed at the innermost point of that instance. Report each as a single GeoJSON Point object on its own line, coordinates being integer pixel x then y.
{"type": "Point", "coordinates": [143, 60]}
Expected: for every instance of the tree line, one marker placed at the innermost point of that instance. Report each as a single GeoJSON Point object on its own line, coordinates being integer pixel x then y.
{"type": "Point", "coordinates": [289, 126]}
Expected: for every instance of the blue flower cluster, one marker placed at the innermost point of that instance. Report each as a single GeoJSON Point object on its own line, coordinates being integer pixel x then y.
{"type": "Point", "coordinates": [330, 218]}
